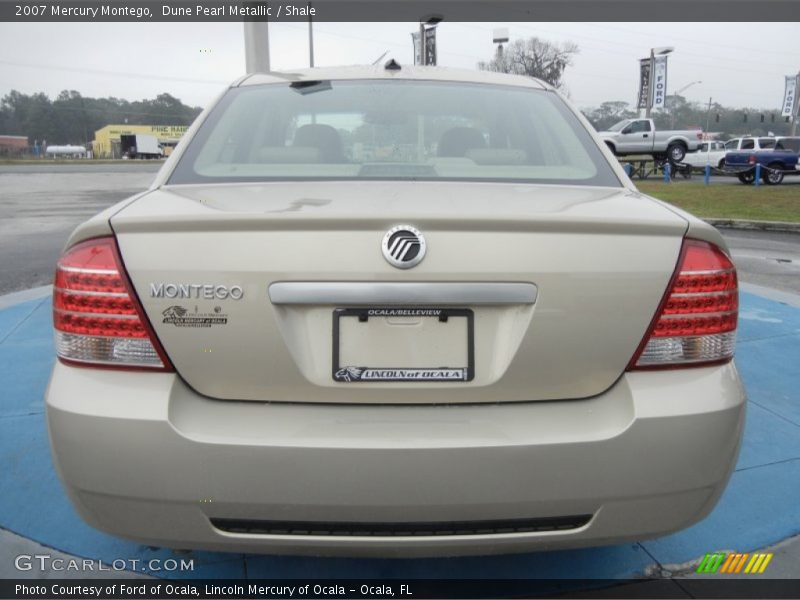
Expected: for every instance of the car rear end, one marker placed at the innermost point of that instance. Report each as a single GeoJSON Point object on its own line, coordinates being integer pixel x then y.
{"type": "Point", "coordinates": [250, 362]}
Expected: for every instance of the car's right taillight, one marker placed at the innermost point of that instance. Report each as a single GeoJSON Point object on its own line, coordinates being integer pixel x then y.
{"type": "Point", "coordinates": [696, 321]}
{"type": "Point", "coordinates": [96, 314]}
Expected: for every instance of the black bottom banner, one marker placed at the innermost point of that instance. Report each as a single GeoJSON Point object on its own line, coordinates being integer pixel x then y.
{"type": "Point", "coordinates": [79, 589]}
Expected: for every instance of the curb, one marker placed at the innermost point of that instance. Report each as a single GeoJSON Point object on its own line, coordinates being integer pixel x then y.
{"type": "Point", "coordinates": [9, 300]}
{"type": "Point", "coordinates": [754, 225]}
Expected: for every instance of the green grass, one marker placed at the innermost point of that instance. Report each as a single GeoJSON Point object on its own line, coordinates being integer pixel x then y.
{"type": "Point", "coordinates": [735, 201]}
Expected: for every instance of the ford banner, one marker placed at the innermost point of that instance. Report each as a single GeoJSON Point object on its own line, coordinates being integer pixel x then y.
{"type": "Point", "coordinates": [660, 82]}
{"type": "Point", "coordinates": [789, 96]}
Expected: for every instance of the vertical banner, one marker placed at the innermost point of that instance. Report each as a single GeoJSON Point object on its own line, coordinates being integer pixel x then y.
{"type": "Point", "coordinates": [789, 96]}
{"type": "Point", "coordinates": [417, 48]}
{"type": "Point", "coordinates": [644, 83]}
{"type": "Point", "coordinates": [430, 45]}
{"type": "Point", "coordinates": [660, 82]}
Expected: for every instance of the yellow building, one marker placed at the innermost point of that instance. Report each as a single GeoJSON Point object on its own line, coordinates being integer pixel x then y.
{"type": "Point", "coordinates": [106, 140]}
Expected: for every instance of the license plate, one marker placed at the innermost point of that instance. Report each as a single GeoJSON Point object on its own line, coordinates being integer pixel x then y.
{"type": "Point", "coordinates": [403, 344]}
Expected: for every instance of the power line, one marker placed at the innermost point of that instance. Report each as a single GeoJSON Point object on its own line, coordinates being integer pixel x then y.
{"type": "Point", "coordinates": [113, 73]}
{"type": "Point", "coordinates": [692, 41]}
{"type": "Point", "coordinates": [639, 48]}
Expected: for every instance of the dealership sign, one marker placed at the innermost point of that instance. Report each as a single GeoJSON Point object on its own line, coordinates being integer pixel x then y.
{"type": "Point", "coordinates": [644, 83]}
{"type": "Point", "coordinates": [789, 96]}
{"type": "Point", "coordinates": [659, 82]}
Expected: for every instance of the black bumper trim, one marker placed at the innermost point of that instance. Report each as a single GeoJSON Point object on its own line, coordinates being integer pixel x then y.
{"type": "Point", "coordinates": [416, 529]}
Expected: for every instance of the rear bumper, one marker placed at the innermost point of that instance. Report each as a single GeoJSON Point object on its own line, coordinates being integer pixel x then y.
{"type": "Point", "coordinates": [144, 457]}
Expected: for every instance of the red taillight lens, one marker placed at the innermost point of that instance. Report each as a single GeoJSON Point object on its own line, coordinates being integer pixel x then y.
{"type": "Point", "coordinates": [97, 316]}
{"type": "Point", "coordinates": [751, 160]}
{"type": "Point", "coordinates": [696, 322]}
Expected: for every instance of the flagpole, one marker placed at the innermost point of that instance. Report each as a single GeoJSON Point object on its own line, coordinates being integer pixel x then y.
{"type": "Point", "coordinates": [796, 110]}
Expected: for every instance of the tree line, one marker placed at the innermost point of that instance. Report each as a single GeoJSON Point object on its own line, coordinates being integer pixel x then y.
{"type": "Point", "coordinates": [72, 118]}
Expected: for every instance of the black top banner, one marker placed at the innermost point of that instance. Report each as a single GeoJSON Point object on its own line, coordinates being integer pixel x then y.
{"type": "Point", "coordinates": [54, 11]}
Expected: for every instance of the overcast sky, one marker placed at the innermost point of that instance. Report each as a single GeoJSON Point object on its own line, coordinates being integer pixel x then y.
{"type": "Point", "coordinates": [739, 64]}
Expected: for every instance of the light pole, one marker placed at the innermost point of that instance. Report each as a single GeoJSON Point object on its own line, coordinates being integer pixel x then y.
{"type": "Point", "coordinates": [500, 37]}
{"type": "Point", "coordinates": [310, 39]}
{"type": "Point", "coordinates": [672, 110]}
{"type": "Point", "coordinates": [796, 111]}
{"type": "Point", "coordinates": [664, 50]}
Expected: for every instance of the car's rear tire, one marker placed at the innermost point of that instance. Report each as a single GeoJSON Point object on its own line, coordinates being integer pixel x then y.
{"type": "Point", "coordinates": [721, 164]}
{"type": "Point", "coordinates": [676, 153]}
{"type": "Point", "coordinates": [773, 175]}
{"type": "Point", "coordinates": [747, 177]}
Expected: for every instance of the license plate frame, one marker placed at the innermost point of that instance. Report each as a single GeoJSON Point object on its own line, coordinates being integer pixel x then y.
{"type": "Point", "coordinates": [366, 374]}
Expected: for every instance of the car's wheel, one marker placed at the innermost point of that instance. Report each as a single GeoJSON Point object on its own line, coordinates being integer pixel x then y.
{"type": "Point", "coordinates": [611, 147]}
{"type": "Point", "coordinates": [721, 164]}
{"type": "Point", "coordinates": [773, 175]}
{"type": "Point", "coordinates": [747, 178]}
{"type": "Point", "coordinates": [676, 152]}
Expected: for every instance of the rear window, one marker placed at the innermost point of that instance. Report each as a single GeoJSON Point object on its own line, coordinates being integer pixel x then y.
{"type": "Point", "coordinates": [392, 130]}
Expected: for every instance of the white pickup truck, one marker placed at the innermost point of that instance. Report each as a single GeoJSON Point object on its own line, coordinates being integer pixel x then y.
{"type": "Point", "coordinates": [639, 136]}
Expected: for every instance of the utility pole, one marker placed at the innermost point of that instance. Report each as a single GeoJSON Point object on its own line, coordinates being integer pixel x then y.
{"type": "Point", "coordinates": [423, 52]}
{"type": "Point", "coordinates": [708, 115]}
{"type": "Point", "coordinates": [256, 46]}
{"type": "Point", "coordinates": [310, 39]}
{"type": "Point", "coordinates": [793, 129]}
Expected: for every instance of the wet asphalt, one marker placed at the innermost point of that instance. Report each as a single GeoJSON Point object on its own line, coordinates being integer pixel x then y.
{"type": "Point", "coordinates": [41, 204]}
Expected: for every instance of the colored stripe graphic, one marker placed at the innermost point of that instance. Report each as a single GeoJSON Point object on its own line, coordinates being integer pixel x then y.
{"type": "Point", "coordinates": [733, 563]}
{"type": "Point", "coordinates": [711, 562]}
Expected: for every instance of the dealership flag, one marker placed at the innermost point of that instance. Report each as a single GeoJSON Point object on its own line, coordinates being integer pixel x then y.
{"type": "Point", "coordinates": [430, 45]}
{"type": "Point", "coordinates": [789, 96]}
{"type": "Point", "coordinates": [417, 48]}
{"type": "Point", "coordinates": [660, 82]}
{"type": "Point", "coordinates": [644, 82]}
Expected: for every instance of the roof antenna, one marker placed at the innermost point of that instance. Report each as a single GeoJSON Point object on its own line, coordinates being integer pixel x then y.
{"type": "Point", "coordinates": [377, 60]}
{"type": "Point", "coordinates": [392, 65]}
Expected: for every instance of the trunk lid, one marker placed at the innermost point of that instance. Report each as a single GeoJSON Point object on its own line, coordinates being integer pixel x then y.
{"type": "Point", "coordinates": [588, 267]}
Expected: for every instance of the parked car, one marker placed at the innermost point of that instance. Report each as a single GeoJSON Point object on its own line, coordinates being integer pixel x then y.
{"type": "Point", "coordinates": [639, 136]}
{"type": "Point", "coordinates": [708, 153]}
{"type": "Point", "coordinates": [393, 311]}
{"type": "Point", "coordinates": [749, 143]}
{"type": "Point", "coordinates": [775, 164]}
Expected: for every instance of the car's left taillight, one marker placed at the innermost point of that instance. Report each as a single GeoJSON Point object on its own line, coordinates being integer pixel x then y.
{"type": "Point", "coordinates": [97, 317]}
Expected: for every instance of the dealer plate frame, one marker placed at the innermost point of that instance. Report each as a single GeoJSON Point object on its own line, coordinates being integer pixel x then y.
{"type": "Point", "coordinates": [342, 374]}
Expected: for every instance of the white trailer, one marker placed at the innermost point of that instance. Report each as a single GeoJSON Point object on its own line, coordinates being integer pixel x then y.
{"type": "Point", "coordinates": [140, 146]}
